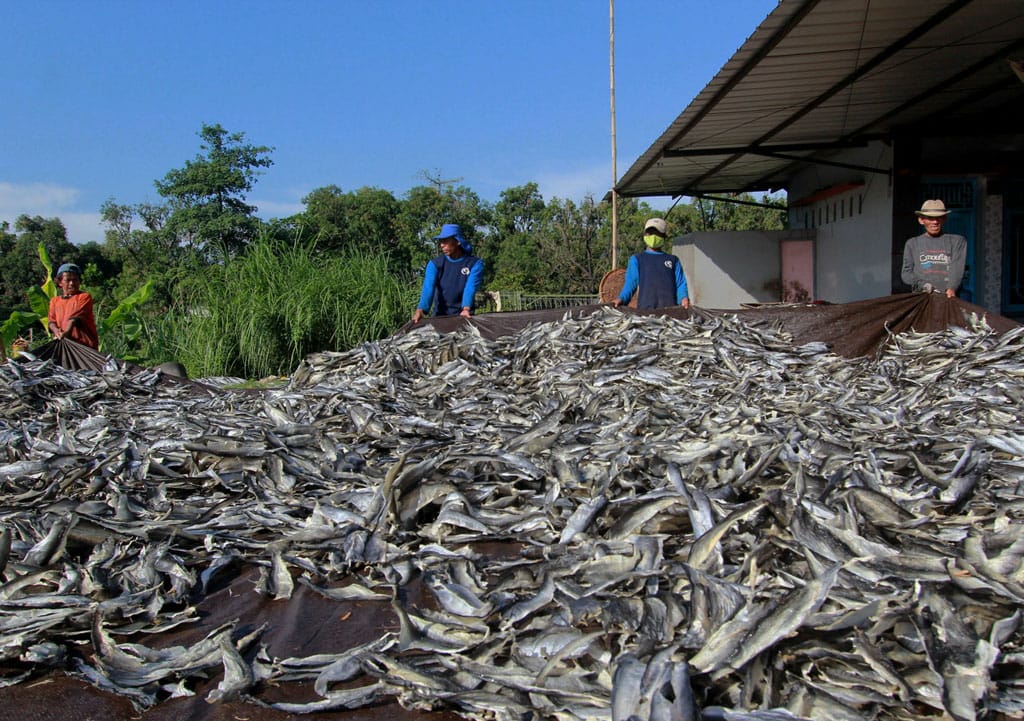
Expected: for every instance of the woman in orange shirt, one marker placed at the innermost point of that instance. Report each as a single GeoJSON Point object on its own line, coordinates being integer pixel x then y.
{"type": "Point", "coordinates": [71, 309]}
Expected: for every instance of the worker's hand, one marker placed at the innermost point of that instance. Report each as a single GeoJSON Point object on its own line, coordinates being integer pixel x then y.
{"type": "Point", "coordinates": [685, 303]}
{"type": "Point", "coordinates": [616, 303]}
{"type": "Point", "coordinates": [417, 315]}
{"type": "Point", "coordinates": [950, 293]}
{"type": "Point", "coordinates": [927, 287]}
{"type": "Point", "coordinates": [465, 313]}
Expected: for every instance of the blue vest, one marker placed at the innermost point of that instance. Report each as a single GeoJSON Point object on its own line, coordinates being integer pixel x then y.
{"type": "Point", "coordinates": [450, 282]}
{"type": "Point", "coordinates": [657, 273]}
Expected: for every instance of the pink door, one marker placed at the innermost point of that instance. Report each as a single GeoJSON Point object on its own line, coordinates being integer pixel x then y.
{"type": "Point", "coordinates": [797, 271]}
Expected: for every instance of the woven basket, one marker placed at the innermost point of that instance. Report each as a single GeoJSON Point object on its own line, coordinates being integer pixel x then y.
{"type": "Point", "coordinates": [611, 286]}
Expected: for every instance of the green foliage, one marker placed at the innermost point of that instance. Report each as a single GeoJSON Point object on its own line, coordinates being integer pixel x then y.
{"type": "Point", "coordinates": [208, 211]}
{"type": "Point", "coordinates": [39, 300]}
{"type": "Point", "coordinates": [740, 212]}
{"type": "Point", "coordinates": [513, 257]}
{"type": "Point", "coordinates": [16, 322]}
{"type": "Point", "coordinates": [202, 280]}
{"type": "Point", "coordinates": [149, 253]}
{"type": "Point", "coordinates": [577, 245]}
{"type": "Point", "coordinates": [426, 208]}
{"type": "Point", "coordinates": [127, 322]}
{"type": "Point", "coordinates": [19, 265]}
{"type": "Point", "coordinates": [124, 312]}
{"type": "Point", "coordinates": [261, 313]}
{"type": "Point", "coordinates": [362, 220]}
{"type": "Point", "coordinates": [39, 296]}
{"type": "Point", "coordinates": [124, 319]}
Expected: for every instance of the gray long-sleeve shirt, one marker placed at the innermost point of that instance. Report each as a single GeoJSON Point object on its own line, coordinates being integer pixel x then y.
{"type": "Point", "coordinates": [939, 261]}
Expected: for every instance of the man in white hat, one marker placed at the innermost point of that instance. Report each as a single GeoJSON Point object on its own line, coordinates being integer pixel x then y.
{"type": "Point", "coordinates": [934, 261]}
{"type": "Point", "coordinates": [655, 275]}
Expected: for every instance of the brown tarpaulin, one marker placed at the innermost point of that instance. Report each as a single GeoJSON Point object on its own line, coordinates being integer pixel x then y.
{"type": "Point", "coordinates": [70, 354]}
{"type": "Point", "coordinates": [308, 623]}
{"type": "Point", "coordinates": [850, 329]}
{"type": "Point", "coordinates": [303, 625]}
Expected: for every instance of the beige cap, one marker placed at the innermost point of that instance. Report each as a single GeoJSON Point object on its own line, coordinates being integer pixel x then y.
{"type": "Point", "coordinates": [658, 224]}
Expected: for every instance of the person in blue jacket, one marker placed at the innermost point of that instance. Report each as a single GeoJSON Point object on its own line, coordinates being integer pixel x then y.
{"type": "Point", "coordinates": [450, 280]}
{"type": "Point", "coordinates": [658, 275]}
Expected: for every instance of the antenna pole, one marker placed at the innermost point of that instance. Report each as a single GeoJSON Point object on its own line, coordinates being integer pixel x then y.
{"type": "Point", "coordinates": [615, 172]}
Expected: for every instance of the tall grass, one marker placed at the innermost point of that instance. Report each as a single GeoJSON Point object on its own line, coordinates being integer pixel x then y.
{"type": "Point", "coordinates": [261, 313]}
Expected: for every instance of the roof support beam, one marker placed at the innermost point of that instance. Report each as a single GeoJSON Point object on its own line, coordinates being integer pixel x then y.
{"type": "Point", "coordinates": [748, 66]}
{"type": "Point", "coordinates": [935, 20]}
{"type": "Point", "coordinates": [967, 72]}
{"type": "Point", "coordinates": [820, 161]}
{"type": "Point", "coordinates": [765, 149]}
{"type": "Point", "coordinates": [737, 201]}
{"type": "Point", "coordinates": [775, 151]}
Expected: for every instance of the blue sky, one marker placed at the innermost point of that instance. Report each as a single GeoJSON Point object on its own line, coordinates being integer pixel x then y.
{"type": "Point", "coordinates": [103, 98]}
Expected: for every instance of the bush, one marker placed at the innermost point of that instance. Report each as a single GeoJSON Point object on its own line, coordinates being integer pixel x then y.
{"type": "Point", "coordinates": [262, 312]}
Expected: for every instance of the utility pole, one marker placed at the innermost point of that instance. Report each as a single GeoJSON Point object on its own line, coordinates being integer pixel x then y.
{"type": "Point", "coordinates": [615, 172]}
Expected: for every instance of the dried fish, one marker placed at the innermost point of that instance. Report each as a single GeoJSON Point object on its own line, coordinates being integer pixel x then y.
{"type": "Point", "coordinates": [608, 515]}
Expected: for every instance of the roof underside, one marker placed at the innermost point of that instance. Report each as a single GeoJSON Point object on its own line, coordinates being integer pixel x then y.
{"type": "Point", "coordinates": [820, 75]}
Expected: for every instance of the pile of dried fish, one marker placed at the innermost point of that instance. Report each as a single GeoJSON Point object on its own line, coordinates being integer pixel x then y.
{"type": "Point", "coordinates": [697, 518]}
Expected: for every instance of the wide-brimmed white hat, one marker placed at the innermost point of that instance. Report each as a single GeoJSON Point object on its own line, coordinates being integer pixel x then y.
{"type": "Point", "coordinates": [932, 209]}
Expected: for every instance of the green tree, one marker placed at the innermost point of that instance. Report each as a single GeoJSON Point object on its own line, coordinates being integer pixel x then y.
{"type": "Point", "coordinates": [514, 259]}
{"type": "Point", "coordinates": [20, 267]}
{"type": "Point", "coordinates": [425, 208]}
{"type": "Point", "coordinates": [7, 241]}
{"type": "Point", "coordinates": [363, 221]}
{"type": "Point", "coordinates": [143, 248]}
{"type": "Point", "coordinates": [7, 238]}
{"type": "Point", "coordinates": [206, 198]}
{"type": "Point", "coordinates": [632, 214]}
{"type": "Point", "coordinates": [100, 272]}
{"type": "Point", "coordinates": [738, 213]}
{"type": "Point", "coordinates": [520, 210]}
{"type": "Point", "coordinates": [577, 248]}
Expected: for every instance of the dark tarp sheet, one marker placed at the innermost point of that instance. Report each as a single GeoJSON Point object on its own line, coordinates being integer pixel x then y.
{"type": "Point", "coordinates": [850, 329]}
{"type": "Point", "coordinates": [74, 356]}
{"type": "Point", "coordinates": [307, 623]}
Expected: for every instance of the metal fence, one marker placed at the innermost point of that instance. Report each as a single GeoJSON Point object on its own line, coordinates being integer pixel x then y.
{"type": "Point", "coordinates": [499, 301]}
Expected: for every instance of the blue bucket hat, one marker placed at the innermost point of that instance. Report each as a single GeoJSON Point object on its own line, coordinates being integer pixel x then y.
{"type": "Point", "coordinates": [452, 230]}
{"type": "Point", "coordinates": [69, 268]}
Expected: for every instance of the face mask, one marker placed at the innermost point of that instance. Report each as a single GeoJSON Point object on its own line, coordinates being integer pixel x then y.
{"type": "Point", "coordinates": [653, 241]}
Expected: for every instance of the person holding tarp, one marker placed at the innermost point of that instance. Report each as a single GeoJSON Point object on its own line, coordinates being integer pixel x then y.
{"type": "Point", "coordinates": [655, 275]}
{"type": "Point", "coordinates": [934, 261]}
{"type": "Point", "coordinates": [450, 280]}
{"type": "Point", "coordinates": [71, 313]}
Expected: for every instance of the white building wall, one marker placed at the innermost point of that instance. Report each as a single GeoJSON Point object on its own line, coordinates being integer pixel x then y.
{"type": "Point", "coordinates": [725, 269]}
{"type": "Point", "coordinates": [850, 211]}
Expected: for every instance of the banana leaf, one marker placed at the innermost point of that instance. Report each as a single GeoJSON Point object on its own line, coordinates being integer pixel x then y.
{"type": "Point", "coordinates": [17, 322]}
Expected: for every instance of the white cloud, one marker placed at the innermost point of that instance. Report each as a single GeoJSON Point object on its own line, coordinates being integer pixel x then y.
{"type": "Point", "coordinates": [595, 181]}
{"type": "Point", "coordinates": [82, 227]}
{"type": "Point", "coordinates": [49, 200]}
{"type": "Point", "coordinates": [34, 198]}
{"type": "Point", "coordinates": [268, 209]}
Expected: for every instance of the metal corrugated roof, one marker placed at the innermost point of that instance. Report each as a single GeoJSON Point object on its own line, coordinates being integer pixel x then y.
{"type": "Point", "coordinates": [818, 75]}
